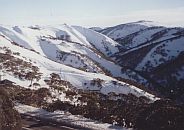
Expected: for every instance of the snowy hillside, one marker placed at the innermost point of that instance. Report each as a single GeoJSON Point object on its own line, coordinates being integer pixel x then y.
{"type": "Point", "coordinates": [66, 45]}
{"type": "Point", "coordinates": [120, 31]}
{"type": "Point", "coordinates": [96, 28]}
{"type": "Point", "coordinates": [67, 52]}
{"type": "Point", "coordinates": [163, 52]}
{"type": "Point", "coordinates": [112, 75]}
{"type": "Point", "coordinates": [69, 69]}
{"type": "Point", "coordinates": [147, 48]}
{"type": "Point", "coordinates": [107, 46]}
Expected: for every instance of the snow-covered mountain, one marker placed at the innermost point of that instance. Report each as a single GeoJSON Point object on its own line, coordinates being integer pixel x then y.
{"type": "Point", "coordinates": [123, 30]}
{"type": "Point", "coordinates": [113, 75]}
{"type": "Point", "coordinates": [96, 28]}
{"type": "Point", "coordinates": [152, 51]}
{"type": "Point", "coordinates": [128, 52]}
{"type": "Point", "coordinates": [79, 55]}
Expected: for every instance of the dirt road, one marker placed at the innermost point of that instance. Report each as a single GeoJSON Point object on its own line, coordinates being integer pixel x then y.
{"type": "Point", "coordinates": [32, 123]}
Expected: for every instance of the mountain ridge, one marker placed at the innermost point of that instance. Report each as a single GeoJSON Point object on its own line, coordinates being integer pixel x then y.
{"type": "Point", "coordinates": [148, 47]}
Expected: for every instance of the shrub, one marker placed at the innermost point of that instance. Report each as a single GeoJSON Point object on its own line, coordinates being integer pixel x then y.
{"type": "Point", "coordinates": [9, 118]}
{"type": "Point", "coordinates": [161, 115]}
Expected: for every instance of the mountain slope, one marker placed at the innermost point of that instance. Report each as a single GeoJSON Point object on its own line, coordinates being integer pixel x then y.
{"type": "Point", "coordinates": [145, 48]}
{"type": "Point", "coordinates": [40, 51]}
{"type": "Point", "coordinates": [122, 30]}
{"type": "Point", "coordinates": [107, 46]}
{"type": "Point", "coordinates": [78, 70]}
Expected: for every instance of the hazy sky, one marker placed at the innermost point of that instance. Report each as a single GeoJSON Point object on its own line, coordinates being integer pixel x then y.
{"type": "Point", "coordinates": [91, 12]}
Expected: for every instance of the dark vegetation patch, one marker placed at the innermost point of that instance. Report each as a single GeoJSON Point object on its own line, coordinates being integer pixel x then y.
{"type": "Point", "coordinates": [9, 118]}
{"type": "Point", "coordinates": [168, 71]}
{"type": "Point", "coordinates": [85, 62]}
{"type": "Point", "coordinates": [161, 115]}
{"type": "Point", "coordinates": [19, 68]}
{"type": "Point", "coordinates": [126, 110]}
{"type": "Point", "coordinates": [33, 97]}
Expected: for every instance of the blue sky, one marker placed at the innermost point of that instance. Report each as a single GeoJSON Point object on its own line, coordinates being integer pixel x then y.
{"type": "Point", "coordinates": [91, 12]}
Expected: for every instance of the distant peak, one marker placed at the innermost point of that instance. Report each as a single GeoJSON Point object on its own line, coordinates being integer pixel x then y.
{"type": "Point", "coordinates": [146, 23]}
{"type": "Point", "coordinates": [143, 21]}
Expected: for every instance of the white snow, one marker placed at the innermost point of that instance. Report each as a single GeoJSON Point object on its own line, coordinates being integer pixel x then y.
{"type": "Point", "coordinates": [120, 31]}
{"type": "Point", "coordinates": [49, 47]}
{"type": "Point", "coordinates": [143, 37]}
{"type": "Point", "coordinates": [106, 45]}
{"type": "Point", "coordinates": [166, 36]}
{"type": "Point", "coordinates": [47, 65]}
{"type": "Point", "coordinates": [171, 49]}
{"type": "Point", "coordinates": [96, 28]}
{"type": "Point", "coordinates": [15, 37]}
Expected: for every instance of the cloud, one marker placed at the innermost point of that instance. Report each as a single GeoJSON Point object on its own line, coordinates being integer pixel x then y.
{"type": "Point", "coordinates": [167, 17]}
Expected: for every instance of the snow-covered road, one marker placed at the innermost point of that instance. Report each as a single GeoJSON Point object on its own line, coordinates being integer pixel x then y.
{"type": "Point", "coordinates": [61, 117]}
{"type": "Point", "coordinates": [32, 123]}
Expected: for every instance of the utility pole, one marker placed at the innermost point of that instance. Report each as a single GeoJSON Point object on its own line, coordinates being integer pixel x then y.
{"type": "Point", "coordinates": [1, 75]}
{"type": "Point", "coordinates": [1, 71]}
{"type": "Point", "coordinates": [62, 74]}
